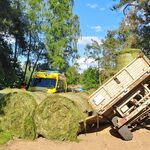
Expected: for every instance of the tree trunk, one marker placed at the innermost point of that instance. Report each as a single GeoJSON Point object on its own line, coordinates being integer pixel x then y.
{"type": "Point", "coordinates": [28, 58]}
{"type": "Point", "coordinates": [99, 71]}
{"type": "Point", "coordinates": [15, 53]}
{"type": "Point", "coordinates": [35, 64]}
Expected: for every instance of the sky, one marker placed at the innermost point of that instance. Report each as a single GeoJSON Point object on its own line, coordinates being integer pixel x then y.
{"type": "Point", "coordinates": [96, 18]}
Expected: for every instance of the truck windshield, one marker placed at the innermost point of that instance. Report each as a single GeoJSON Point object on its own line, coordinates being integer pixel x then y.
{"type": "Point", "coordinates": [44, 82]}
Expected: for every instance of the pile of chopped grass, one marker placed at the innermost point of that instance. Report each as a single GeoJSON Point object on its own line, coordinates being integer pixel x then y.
{"type": "Point", "coordinates": [78, 99]}
{"type": "Point", "coordinates": [8, 90]}
{"type": "Point", "coordinates": [17, 115]}
{"type": "Point", "coordinates": [39, 96]}
{"type": "Point", "coordinates": [58, 118]}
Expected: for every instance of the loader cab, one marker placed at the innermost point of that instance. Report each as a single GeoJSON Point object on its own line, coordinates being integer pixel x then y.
{"type": "Point", "coordinates": [48, 81]}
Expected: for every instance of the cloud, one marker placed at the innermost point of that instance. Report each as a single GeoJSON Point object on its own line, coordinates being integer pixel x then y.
{"type": "Point", "coordinates": [95, 6]}
{"type": "Point", "coordinates": [84, 40]}
{"type": "Point", "coordinates": [85, 63]}
{"type": "Point", "coordinates": [96, 28]}
{"type": "Point", "coordinates": [102, 8]}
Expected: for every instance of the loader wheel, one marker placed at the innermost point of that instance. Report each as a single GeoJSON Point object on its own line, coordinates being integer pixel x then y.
{"type": "Point", "coordinates": [125, 133]}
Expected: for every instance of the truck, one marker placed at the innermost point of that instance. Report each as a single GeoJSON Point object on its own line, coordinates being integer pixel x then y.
{"type": "Point", "coordinates": [124, 100]}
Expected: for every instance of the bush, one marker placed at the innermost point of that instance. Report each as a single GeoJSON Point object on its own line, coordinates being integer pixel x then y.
{"type": "Point", "coordinates": [90, 78]}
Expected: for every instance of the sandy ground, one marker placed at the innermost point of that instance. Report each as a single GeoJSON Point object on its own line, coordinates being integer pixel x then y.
{"type": "Point", "coordinates": [100, 140]}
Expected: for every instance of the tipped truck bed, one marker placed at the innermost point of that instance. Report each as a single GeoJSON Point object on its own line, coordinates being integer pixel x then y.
{"type": "Point", "coordinates": [120, 84]}
{"type": "Point", "coordinates": [125, 98]}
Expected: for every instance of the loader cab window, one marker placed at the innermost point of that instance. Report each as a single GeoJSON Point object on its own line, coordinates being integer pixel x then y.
{"type": "Point", "coordinates": [44, 82]}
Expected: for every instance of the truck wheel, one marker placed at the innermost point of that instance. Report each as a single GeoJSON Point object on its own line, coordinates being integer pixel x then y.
{"type": "Point", "coordinates": [114, 121]}
{"type": "Point", "coordinates": [125, 133]}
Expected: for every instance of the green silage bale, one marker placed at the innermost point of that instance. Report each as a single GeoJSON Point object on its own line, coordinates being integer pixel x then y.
{"type": "Point", "coordinates": [57, 118]}
{"type": "Point", "coordinates": [125, 56]}
{"type": "Point", "coordinates": [17, 115]}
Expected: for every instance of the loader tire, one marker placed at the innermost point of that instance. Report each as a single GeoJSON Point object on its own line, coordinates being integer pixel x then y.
{"type": "Point", "coordinates": [125, 133]}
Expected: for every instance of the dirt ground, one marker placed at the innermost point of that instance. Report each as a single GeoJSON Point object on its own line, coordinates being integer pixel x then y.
{"type": "Point", "coordinates": [100, 140]}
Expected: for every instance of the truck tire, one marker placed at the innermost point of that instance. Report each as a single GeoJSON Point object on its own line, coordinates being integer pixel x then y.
{"type": "Point", "coordinates": [114, 121]}
{"type": "Point", "coordinates": [125, 133]}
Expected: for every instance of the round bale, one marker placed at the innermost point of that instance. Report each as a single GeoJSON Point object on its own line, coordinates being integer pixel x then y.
{"type": "Point", "coordinates": [57, 118]}
{"type": "Point", "coordinates": [17, 115]}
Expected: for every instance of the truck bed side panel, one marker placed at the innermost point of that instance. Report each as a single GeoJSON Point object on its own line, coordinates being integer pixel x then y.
{"type": "Point", "coordinates": [119, 83]}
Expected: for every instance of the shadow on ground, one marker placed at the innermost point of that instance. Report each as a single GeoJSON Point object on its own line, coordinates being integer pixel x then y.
{"type": "Point", "coordinates": [144, 125]}
{"type": "Point", "coordinates": [100, 127]}
{"type": "Point", "coordinates": [92, 128]}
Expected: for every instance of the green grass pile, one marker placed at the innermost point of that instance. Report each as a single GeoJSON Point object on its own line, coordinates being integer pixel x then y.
{"type": "Point", "coordinates": [17, 115]}
{"type": "Point", "coordinates": [58, 118]}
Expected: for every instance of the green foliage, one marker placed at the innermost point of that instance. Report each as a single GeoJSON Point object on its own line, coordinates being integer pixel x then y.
{"type": "Point", "coordinates": [61, 32]}
{"type": "Point", "coordinates": [41, 31]}
{"type": "Point", "coordinates": [94, 51]}
{"type": "Point", "coordinates": [12, 26]}
{"type": "Point", "coordinates": [72, 75]}
{"type": "Point", "coordinates": [90, 78]}
{"type": "Point", "coordinates": [110, 46]}
{"type": "Point", "coordinates": [104, 54]}
{"type": "Point", "coordinates": [136, 21]}
{"type": "Point", "coordinates": [144, 35]}
{"type": "Point", "coordinates": [7, 75]}
{"type": "Point", "coordinates": [140, 7]}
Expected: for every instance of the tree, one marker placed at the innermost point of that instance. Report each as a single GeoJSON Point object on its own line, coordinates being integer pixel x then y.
{"type": "Point", "coordinates": [90, 78]}
{"type": "Point", "coordinates": [61, 32]}
{"type": "Point", "coordinates": [7, 73]}
{"type": "Point", "coordinates": [72, 76]}
{"type": "Point", "coordinates": [140, 7]}
{"type": "Point", "coordinates": [144, 36]}
{"type": "Point", "coordinates": [110, 44]}
{"type": "Point", "coordinates": [41, 30]}
{"type": "Point", "coordinates": [94, 51]}
{"type": "Point", "coordinates": [138, 14]}
{"type": "Point", "coordinates": [104, 54]}
{"type": "Point", "coordinates": [11, 27]}
{"type": "Point", "coordinates": [53, 23]}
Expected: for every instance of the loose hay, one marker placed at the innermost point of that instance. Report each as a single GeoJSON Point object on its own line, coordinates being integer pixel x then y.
{"type": "Point", "coordinates": [58, 118]}
{"type": "Point", "coordinates": [17, 115]}
{"type": "Point", "coordinates": [80, 99]}
{"type": "Point", "coordinates": [5, 137]}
